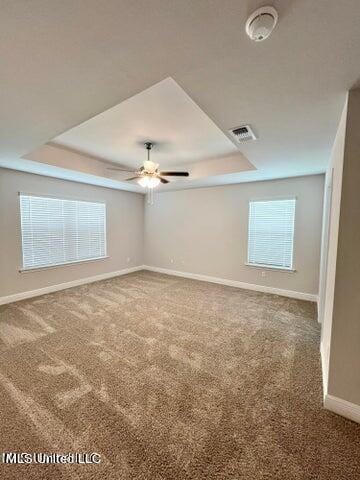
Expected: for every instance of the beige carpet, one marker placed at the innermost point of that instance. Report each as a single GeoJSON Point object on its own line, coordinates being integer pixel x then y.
{"type": "Point", "coordinates": [171, 379]}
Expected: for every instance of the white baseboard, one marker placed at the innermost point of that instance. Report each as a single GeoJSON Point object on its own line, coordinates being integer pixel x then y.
{"type": "Point", "coordinates": [234, 283]}
{"type": "Point", "coordinates": [62, 286]}
{"type": "Point", "coordinates": [195, 276]}
{"type": "Point", "coordinates": [342, 407]}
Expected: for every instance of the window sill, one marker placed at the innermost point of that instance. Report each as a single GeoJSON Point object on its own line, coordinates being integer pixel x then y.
{"type": "Point", "coordinates": [47, 267]}
{"type": "Point", "coordinates": [269, 267]}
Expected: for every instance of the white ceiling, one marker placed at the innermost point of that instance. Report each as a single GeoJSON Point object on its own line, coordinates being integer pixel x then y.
{"type": "Point", "coordinates": [62, 63]}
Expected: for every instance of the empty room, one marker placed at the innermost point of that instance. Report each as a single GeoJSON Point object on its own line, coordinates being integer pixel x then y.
{"type": "Point", "coordinates": [179, 232]}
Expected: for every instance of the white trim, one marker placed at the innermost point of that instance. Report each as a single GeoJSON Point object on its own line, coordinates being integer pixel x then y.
{"type": "Point", "coordinates": [63, 264]}
{"type": "Point", "coordinates": [56, 197]}
{"type": "Point", "coordinates": [342, 407]}
{"type": "Point", "coordinates": [235, 283]}
{"type": "Point", "coordinates": [63, 286]}
{"type": "Point", "coordinates": [271, 267]}
{"type": "Point", "coordinates": [323, 370]}
{"type": "Point", "coordinates": [272, 197]}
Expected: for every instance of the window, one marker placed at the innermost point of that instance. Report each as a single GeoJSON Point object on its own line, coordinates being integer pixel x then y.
{"type": "Point", "coordinates": [271, 233]}
{"type": "Point", "coordinates": [58, 231]}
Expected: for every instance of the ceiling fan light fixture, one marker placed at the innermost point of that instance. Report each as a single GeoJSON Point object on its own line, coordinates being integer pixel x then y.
{"type": "Point", "coordinates": [149, 182]}
{"type": "Point", "coordinates": [153, 182]}
{"type": "Point", "coordinates": [148, 175]}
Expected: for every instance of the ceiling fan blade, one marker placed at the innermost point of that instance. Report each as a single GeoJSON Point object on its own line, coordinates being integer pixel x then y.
{"type": "Point", "coordinates": [163, 180]}
{"type": "Point", "coordinates": [131, 178]}
{"type": "Point", "coordinates": [119, 169]}
{"type": "Point", "coordinates": [175, 174]}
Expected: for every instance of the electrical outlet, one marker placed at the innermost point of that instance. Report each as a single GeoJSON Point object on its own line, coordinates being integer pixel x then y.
{"type": "Point", "coordinates": [263, 273]}
{"type": "Point", "coordinates": [128, 259]}
{"type": "Point", "coordinates": [171, 260]}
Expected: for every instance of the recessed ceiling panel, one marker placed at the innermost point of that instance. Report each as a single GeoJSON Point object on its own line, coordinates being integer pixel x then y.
{"type": "Point", "coordinates": [163, 114]}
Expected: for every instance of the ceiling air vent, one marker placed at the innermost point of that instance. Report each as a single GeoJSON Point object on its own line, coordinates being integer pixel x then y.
{"type": "Point", "coordinates": [243, 133]}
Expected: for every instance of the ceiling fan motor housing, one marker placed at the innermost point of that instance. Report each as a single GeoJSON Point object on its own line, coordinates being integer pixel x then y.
{"type": "Point", "coordinates": [150, 167]}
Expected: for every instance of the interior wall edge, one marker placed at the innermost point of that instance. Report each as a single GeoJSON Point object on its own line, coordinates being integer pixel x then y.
{"type": "Point", "coordinates": [324, 369]}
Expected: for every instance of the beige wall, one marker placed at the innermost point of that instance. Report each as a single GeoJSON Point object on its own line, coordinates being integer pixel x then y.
{"type": "Point", "coordinates": [344, 377]}
{"type": "Point", "coordinates": [124, 231]}
{"type": "Point", "coordinates": [204, 231]}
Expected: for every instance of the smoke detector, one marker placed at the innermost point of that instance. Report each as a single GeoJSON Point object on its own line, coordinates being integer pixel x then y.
{"type": "Point", "coordinates": [261, 23]}
{"type": "Point", "coordinates": [243, 133]}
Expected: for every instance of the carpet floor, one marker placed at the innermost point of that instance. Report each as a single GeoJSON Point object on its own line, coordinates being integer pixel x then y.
{"type": "Point", "coordinates": [169, 378]}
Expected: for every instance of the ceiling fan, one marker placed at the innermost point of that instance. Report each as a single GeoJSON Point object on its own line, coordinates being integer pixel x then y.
{"type": "Point", "coordinates": [149, 175]}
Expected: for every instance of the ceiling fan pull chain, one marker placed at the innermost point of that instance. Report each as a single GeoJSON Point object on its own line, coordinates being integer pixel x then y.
{"type": "Point", "coordinates": [150, 196]}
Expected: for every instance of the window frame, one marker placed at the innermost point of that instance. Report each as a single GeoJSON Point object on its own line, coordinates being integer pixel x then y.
{"type": "Point", "coordinates": [23, 269]}
{"type": "Point", "coordinates": [290, 269]}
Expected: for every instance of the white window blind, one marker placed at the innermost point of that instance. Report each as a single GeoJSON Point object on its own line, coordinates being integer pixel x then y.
{"type": "Point", "coordinates": [58, 231]}
{"type": "Point", "coordinates": [271, 233]}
